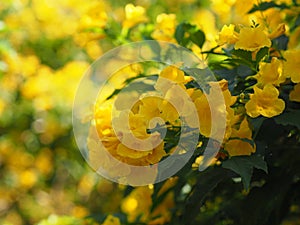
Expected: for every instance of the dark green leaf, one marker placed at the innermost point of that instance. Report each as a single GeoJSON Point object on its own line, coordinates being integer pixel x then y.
{"type": "Point", "coordinates": [244, 71]}
{"type": "Point", "coordinates": [267, 5]}
{"type": "Point", "coordinates": [281, 42]}
{"type": "Point", "coordinates": [247, 55]}
{"type": "Point", "coordinates": [296, 24]}
{"type": "Point", "coordinates": [198, 38]}
{"type": "Point", "coordinates": [243, 165]}
{"type": "Point", "coordinates": [179, 33]}
{"type": "Point", "coordinates": [194, 34]}
{"type": "Point", "coordinates": [206, 182]}
{"type": "Point", "coordinates": [256, 123]}
{"type": "Point", "coordinates": [261, 54]}
{"type": "Point", "coordinates": [289, 118]}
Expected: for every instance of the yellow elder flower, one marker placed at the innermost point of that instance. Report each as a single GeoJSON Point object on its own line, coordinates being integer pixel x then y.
{"type": "Point", "coordinates": [228, 35]}
{"type": "Point", "coordinates": [111, 220]}
{"type": "Point", "coordinates": [145, 149]}
{"type": "Point", "coordinates": [265, 102]}
{"type": "Point", "coordinates": [270, 73]}
{"type": "Point", "coordinates": [252, 39]}
{"type": "Point", "coordinates": [291, 66]}
{"type": "Point", "coordinates": [295, 94]}
{"type": "Point", "coordinates": [134, 15]}
{"type": "Point", "coordinates": [204, 108]}
{"type": "Point", "coordinates": [236, 147]}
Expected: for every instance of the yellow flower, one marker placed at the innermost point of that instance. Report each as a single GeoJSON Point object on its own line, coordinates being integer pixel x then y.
{"type": "Point", "coordinates": [95, 17]}
{"type": "Point", "coordinates": [111, 220]}
{"type": "Point", "coordinates": [165, 27]}
{"type": "Point", "coordinates": [252, 39]}
{"type": "Point", "coordinates": [295, 94]}
{"type": "Point", "coordinates": [223, 111]}
{"type": "Point", "coordinates": [129, 142]}
{"type": "Point", "coordinates": [228, 35]}
{"type": "Point", "coordinates": [270, 73]}
{"type": "Point", "coordinates": [291, 66]}
{"type": "Point", "coordinates": [138, 203]}
{"type": "Point", "coordinates": [134, 15]}
{"type": "Point", "coordinates": [265, 102]}
{"type": "Point", "coordinates": [236, 146]}
{"type": "Point", "coordinates": [294, 39]}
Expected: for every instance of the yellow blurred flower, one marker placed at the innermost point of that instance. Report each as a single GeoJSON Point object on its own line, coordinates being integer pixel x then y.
{"type": "Point", "coordinates": [227, 35]}
{"type": "Point", "coordinates": [265, 102]}
{"type": "Point", "coordinates": [2, 106]}
{"type": "Point", "coordinates": [235, 146]}
{"type": "Point", "coordinates": [205, 19]}
{"type": "Point", "coordinates": [95, 17]}
{"type": "Point", "coordinates": [270, 73]}
{"type": "Point", "coordinates": [28, 178]}
{"type": "Point", "coordinates": [165, 27]}
{"type": "Point", "coordinates": [111, 220]}
{"type": "Point", "coordinates": [291, 64]}
{"type": "Point", "coordinates": [295, 94]}
{"type": "Point", "coordinates": [252, 39]}
{"type": "Point", "coordinates": [79, 211]}
{"type": "Point", "coordinates": [294, 39]}
{"type": "Point", "coordinates": [134, 15]}
{"type": "Point", "coordinates": [85, 185]}
{"type": "Point", "coordinates": [223, 8]}
{"type": "Point", "coordinates": [138, 203]}
{"type": "Point", "coordinates": [44, 161]}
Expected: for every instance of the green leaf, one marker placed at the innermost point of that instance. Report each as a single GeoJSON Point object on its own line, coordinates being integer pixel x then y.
{"type": "Point", "coordinates": [296, 24]}
{"type": "Point", "coordinates": [193, 34]}
{"type": "Point", "coordinates": [267, 5]}
{"type": "Point", "coordinates": [247, 55]}
{"type": "Point", "coordinates": [206, 182]}
{"type": "Point", "coordinates": [261, 54]}
{"type": "Point", "coordinates": [243, 165]}
{"type": "Point", "coordinates": [198, 38]}
{"type": "Point", "coordinates": [289, 118]}
{"type": "Point", "coordinates": [179, 33]}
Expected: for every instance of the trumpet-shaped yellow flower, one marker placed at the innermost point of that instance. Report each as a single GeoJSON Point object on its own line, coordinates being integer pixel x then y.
{"type": "Point", "coordinates": [227, 35]}
{"type": "Point", "coordinates": [236, 146]}
{"type": "Point", "coordinates": [265, 102]}
{"type": "Point", "coordinates": [252, 39]}
{"type": "Point", "coordinates": [291, 66]}
{"type": "Point", "coordinates": [222, 108]}
{"type": "Point", "coordinates": [295, 94]}
{"type": "Point", "coordinates": [270, 73]}
{"type": "Point", "coordinates": [134, 15]}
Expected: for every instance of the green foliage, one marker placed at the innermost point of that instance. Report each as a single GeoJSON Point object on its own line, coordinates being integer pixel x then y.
{"type": "Point", "coordinates": [186, 33]}
{"type": "Point", "coordinates": [243, 165]}
{"type": "Point", "coordinates": [262, 6]}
